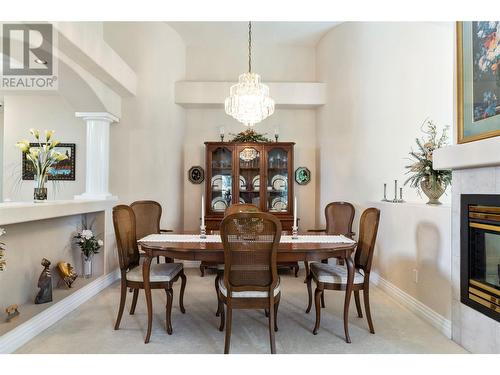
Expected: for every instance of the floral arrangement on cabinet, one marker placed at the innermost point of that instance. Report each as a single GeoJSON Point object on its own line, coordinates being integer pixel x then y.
{"type": "Point", "coordinates": [423, 176]}
{"type": "Point", "coordinates": [42, 156]}
{"type": "Point", "coordinates": [2, 251]}
{"type": "Point", "coordinates": [89, 245]}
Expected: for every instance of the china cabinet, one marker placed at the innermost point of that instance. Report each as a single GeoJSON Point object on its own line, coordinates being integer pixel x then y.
{"type": "Point", "coordinates": [256, 173]}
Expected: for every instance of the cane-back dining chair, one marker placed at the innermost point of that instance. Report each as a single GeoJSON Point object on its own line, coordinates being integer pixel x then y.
{"type": "Point", "coordinates": [250, 279]}
{"type": "Point", "coordinates": [335, 277]}
{"type": "Point", "coordinates": [234, 208]}
{"type": "Point", "coordinates": [339, 217]}
{"type": "Point", "coordinates": [147, 220]}
{"type": "Point", "coordinates": [162, 276]}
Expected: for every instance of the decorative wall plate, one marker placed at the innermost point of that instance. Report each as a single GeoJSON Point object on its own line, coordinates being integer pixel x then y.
{"type": "Point", "coordinates": [196, 175]}
{"type": "Point", "coordinates": [302, 175]}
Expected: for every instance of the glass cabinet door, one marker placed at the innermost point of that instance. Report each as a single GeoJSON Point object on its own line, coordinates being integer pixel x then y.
{"type": "Point", "coordinates": [249, 176]}
{"type": "Point", "coordinates": [221, 182]}
{"type": "Point", "coordinates": [277, 180]}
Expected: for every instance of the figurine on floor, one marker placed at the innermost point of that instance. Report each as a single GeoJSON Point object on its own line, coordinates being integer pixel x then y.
{"type": "Point", "coordinates": [45, 284]}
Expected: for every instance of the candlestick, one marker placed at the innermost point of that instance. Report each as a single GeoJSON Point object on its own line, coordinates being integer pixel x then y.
{"type": "Point", "coordinates": [395, 191]}
{"type": "Point", "coordinates": [401, 200]}
{"type": "Point", "coordinates": [276, 134]}
{"type": "Point", "coordinates": [385, 193]}
{"type": "Point", "coordinates": [202, 210]}
{"type": "Point", "coordinates": [221, 133]}
{"type": "Point", "coordinates": [295, 211]}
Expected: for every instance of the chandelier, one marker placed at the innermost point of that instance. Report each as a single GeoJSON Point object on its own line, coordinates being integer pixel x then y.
{"type": "Point", "coordinates": [249, 100]}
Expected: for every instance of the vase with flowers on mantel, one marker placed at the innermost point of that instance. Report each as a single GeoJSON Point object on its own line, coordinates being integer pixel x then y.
{"type": "Point", "coordinates": [41, 158]}
{"type": "Point", "coordinates": [424, 177]}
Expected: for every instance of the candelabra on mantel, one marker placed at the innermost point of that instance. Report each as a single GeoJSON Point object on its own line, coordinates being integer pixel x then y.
{"type": "Point", "coordinates": [396, 199]}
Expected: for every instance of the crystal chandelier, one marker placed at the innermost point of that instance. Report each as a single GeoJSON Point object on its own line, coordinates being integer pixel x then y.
{"type": "Point", "coordinates": [249, 100]}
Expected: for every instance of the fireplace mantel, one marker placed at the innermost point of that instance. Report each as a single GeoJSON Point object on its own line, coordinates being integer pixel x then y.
{"type": "Point", "coordinates": [484, 153]}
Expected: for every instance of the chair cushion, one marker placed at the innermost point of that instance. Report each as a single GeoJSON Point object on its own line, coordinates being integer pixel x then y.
{"type": "Point", "coordinates": [159, 272]}
{"type": "Point", "coordinates": [334, 274]}
{"type": "Point", "coordinates": [247, 293]}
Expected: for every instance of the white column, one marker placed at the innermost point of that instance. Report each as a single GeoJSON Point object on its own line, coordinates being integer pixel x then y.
{"type": "Point", "coordinates": [97, 158]}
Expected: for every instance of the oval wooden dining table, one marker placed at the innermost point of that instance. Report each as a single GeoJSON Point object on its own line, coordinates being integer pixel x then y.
{"type": "Point", "coordinates": [203, 250]}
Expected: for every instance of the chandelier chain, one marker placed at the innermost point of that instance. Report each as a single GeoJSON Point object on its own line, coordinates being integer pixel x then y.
{"type": "Point", "coordinates": [250, 47]}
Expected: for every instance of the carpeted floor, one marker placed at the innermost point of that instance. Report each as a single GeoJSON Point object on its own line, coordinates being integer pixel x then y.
{"type": "Point", "coordinates": [89, 329]}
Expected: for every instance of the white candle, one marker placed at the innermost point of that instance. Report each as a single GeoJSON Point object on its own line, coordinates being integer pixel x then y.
{"type": "Point", "coordinates": [295, 212]}
{"type": "Point", "coordinates": [221, 130]}
{"type": "Point", "coordinates": [202, 211]}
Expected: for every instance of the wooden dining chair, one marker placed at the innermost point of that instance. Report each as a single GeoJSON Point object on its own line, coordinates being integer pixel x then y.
{"type": "Point", "coordinates": [162, 275]}
{"type": "Point", "coordinates": [251, 278]}
{"type": "Point", "coordinates": [339, 217]}
{"type": "Point", "coordinates": [147, 219]}
{"type": "Point", "coordinates": [234, 208]}
{"type": "Point", "coordinates": [334, 277]}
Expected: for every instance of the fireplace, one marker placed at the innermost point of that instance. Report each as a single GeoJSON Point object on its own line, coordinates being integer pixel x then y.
{"type": "Point", "coordinates": [480, 253]}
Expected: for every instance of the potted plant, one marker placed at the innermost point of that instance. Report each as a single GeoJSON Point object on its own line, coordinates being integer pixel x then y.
{"type": "Point", "coordinates": [423, 176]}
{"type": "Point", "coordinates": [90, 246]}
{"type": "Point", "coordinates": [42, 157]}
{"type": "Point", "coordinates": [2, 251]}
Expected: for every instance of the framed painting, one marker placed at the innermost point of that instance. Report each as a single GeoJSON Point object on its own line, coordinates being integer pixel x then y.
{"type": "Point", "coordinates": [61, 171]}
{"type": "Point", "coordinates": [478, 81]}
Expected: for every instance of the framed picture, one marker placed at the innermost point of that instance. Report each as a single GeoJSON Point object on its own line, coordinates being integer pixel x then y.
{"type": "Point", "coordinates": [478, 80]}
{"type": "Point", "coordinates": [196, 174]}
{"type": "Point", "coordinates": [302, 175]}
{"type": "Point", "coordinates": [61, 171]}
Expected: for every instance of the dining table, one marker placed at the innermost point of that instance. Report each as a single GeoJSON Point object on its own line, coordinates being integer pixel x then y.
{"type": "Point", "coordinates": [192, 246]}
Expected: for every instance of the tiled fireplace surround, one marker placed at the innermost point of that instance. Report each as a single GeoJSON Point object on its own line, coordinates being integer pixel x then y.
{"type": "Point", "coordinates": [474, 331]}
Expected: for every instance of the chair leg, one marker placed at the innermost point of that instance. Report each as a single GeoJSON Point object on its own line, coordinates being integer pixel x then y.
{"type": "Point", "coordinates": [272, 327]}
{"type": "Point", "coordinates": [317, 305]}
{"type": "Point", "coordinates": [266, 313]}
{"type": "Point", "coordinates": [181, 294]}
{"type": "Point", "coordinates": [366, 299]}
{"type": "Point", "coordinates": [323, 300]}
{"type": "Point", "coordinates": [309, 293]}
{"type": "Point", "coordinates": [202, 269]}
{"type": "Point", "coordinates": [296, 267]}
{"type": "Point", "coordinates": [123, 297]}
{"type": "Point", "coordinates": [229, 317]}
{"type": "Point", "coordinates": [276, 306]}
{"type": "Point", "coordinates": [134, 301]}
{"type": "Point", "coordinates": [219, 303]}
{"type": "Point", "coordinates": [306, 266]}
{"type": "Point", "coordinates": [170, 297]}
{"type": "Point", "coordinates": [222, 317]}
{"type": "Point", "coordinates": [358, 304]}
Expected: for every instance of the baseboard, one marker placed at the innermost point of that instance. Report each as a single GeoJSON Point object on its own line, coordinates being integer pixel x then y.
{"type": "Point", "coordinates": [20, 335]}
{"type": "Point", "coordinates": [425, 312]}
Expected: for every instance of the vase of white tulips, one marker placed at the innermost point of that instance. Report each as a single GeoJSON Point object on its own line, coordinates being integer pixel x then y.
{"type": "Point", "coordinates": [42, 156]}
{"type": "Point", "coordinates": [90, 245]}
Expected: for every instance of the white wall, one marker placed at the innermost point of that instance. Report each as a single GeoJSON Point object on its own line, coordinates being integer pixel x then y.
{"type": "Point", "coordinates": [51, 112]}
{"type": "Point", "coordinates": [146, 146]}
{"type": "Point", "coordinates": [1, 151]}
{"type": "Point", "coordinates": [273, 63]}
{"type": "Point", "coordinates": [383, 80]}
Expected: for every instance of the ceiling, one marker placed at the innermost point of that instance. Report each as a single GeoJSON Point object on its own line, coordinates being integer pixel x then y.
{"type": "Point", "coordinates": [305, 34]}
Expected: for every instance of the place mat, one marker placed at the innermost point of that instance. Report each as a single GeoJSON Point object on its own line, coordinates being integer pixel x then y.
{"type": "Point", "coordinates": [217, 238]}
